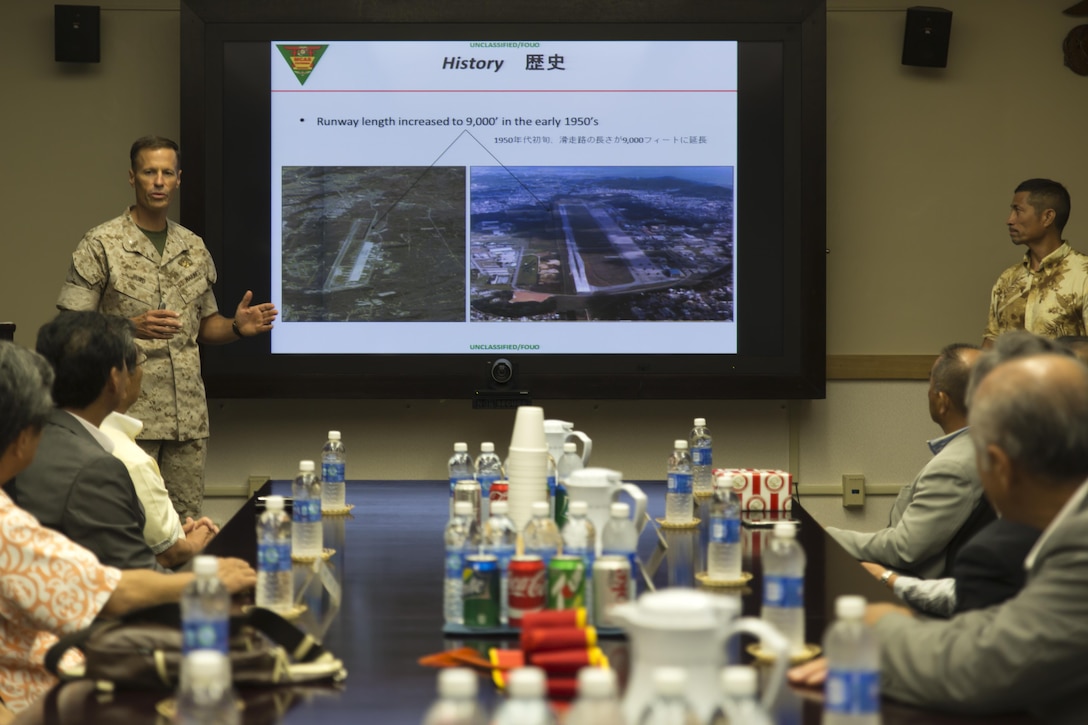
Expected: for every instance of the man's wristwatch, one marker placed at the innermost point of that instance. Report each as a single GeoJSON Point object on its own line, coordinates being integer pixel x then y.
{"type": "Point", "coordinates": [886, 576]}
{"type": "Point", "coordinates": [234, 326]}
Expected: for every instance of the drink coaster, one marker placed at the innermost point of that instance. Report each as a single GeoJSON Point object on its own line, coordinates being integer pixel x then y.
{"type": "Point", "coordinates": [326, 554]}
{"type": "Point", "coordinates": [693, 524]}
{"type": "Point", "coordinates": [704, 494]}
{"type": "Point", "coordinates": [290, 615]}
{"type": "Point", "coordinates": [763, 657]}
{"type": "Point", "coordinates": [704, 579]}
{"type": "Point", "coordinates": [168, 708]}
{"type": "Point", "coordinates": [338, 510]}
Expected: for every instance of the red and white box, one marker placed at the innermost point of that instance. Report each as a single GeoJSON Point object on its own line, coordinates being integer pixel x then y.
{"type": "Point", "coordinates": [758, 489]}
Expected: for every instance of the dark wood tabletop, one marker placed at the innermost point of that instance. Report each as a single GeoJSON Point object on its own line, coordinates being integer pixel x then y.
{"type": "Point", "coordinates": [388, 564]}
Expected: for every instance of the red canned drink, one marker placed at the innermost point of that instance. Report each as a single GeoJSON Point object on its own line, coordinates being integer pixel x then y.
{"type": "Point", "coordinates": [499, 491]}
{"type": "Point", "coordinates": [566, 582]}
{"type": "Point", "coordinates": [611, 585]}
{"type": "Point", "coordinates": [526, 587]}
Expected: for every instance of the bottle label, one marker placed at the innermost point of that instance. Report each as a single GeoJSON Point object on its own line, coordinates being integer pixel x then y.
{"type": "Point", "coordinates": [486, 479]}
{"type": "Point", "coordinates": [679, 483]}
{"type": "Point", "coordinates": [504, 554]}
{"type": "Point", "coordinates": [332, 472]}
{"type": "Point", "coordinates": [702, 456]}
{"type": "Point", "coordinates": [784, 591]}
{"type": "Point", "coordinates": [545, 554]}
{"type": "Point", "coordinates": [551, 486]}
{"type": "Point", "coordinates": [852, 692]}
{"type": "Point", "coordinates": [587, 554]}
{"type": "Point", "coordinates": [306, 510]}
{"type": "Point", "coordinates": [274, 558]}
{"type": "Point", "coordinates": [204, 634]}
{"type": "Point", "coordinates": [453, 484]}
{"type": "Point", "coordinates": [455, 563]}
{"type": "Point", "coordinates": [724, 530]}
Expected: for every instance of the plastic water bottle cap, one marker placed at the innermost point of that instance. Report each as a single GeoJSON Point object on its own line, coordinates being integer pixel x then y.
{"type": "Point", "coordinates": [205, 565]}
{"type": "Point", "coordinates": [670, 681]}
{"type": "Point", "coordinates": [499, 508]}
{"type": "Point", "coordinates": [620, 510]}
{"type": "Point", "coordinates": [460, 447]}
{"type": "Point", "coordinates": [785, 531]}
{"type": "Point", "coordinates": [700, 422]}
{"type": "Point", "coordinates": [526, 682]}
{"type": "Point", "coordinates": [850, 607]}
{"type": "Point", "coordinates": [306, 466]}
{"type": "Point", "coordinates": [596, 682]}
{"type": "Point", "coordinates": [487, 447]}
{"type": "Point", "coordinates": [739, 680]}
{"type": "Point", "coordinates": [577, 508]}
{"type": "Point", "coordinates": [681, 445]}
{"type": "Point", "coordinates": [570, 447]}
{"type": "Point", "coordinates": [541, 508]}
{"type": "Point", "coordinates": [273, 503]}
{"type": "Point", "coordinates": [462, 508]}
{"type": "Point", "coordinates": [457, 682]}
{"type": "Point", "coordinates": [334, 435]}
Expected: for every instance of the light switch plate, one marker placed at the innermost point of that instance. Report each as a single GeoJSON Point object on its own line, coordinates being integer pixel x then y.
{"type": "Point", "coordinates": [853, 490]}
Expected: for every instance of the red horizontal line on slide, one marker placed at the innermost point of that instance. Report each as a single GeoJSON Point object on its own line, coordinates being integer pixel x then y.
{"type": "Point", "coordinates": [363, 90]}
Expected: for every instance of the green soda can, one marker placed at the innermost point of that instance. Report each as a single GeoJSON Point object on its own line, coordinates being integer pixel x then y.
{"type": "Point", "coordinates": [566, 582]}
{"type": "Point", "coordinates": [482, 591]}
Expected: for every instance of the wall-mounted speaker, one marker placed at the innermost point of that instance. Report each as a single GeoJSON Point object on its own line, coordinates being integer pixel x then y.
{"type": "Point", "coordinates": [75, 33]}
{"type": "Point", "coordinates": [925, 40]}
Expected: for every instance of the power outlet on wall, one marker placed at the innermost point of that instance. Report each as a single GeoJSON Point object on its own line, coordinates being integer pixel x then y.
{"type": "Point", "coordinates": [853, 490]}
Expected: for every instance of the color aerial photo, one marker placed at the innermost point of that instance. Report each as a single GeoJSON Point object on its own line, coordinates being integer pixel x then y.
{"type": "Point", "coordinates": [373, 244]}
{"type": "Point", "coordinates": [601, 243]}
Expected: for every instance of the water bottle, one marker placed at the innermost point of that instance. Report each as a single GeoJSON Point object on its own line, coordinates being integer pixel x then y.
{"type": "Point", "coordinates": [306, 513]}
{"type": "Point", "coordinates": [332, 473]}
{"type": "Point", "coordinates": [784, 586]}
{"type": "Point", "coordinates": [462, 538]}
{"type": "Point", "coordinates": [541, 535]}
{"type": "Point", "coordinates": [679, 503]}
{"type": "Point", "coordinates": [597, 703]}
{"type": "Point", "coordinates": [580, 539]}
{"type": "Point", "coordinates": [620, 538]}
{"type": "Point", "coordinates": [852, 688]}
{"type": "Point", "coordinates": [456, 703]}
{"type": "Point", "coordinates": [553, 480]}
{"type": "Point", "coordinates": [702, 457]}
{"type": "Point", "coordinates": [569, 462]}
{"type": "Point", "coordinates": [724, 549]}
{"type": "Point", "coordinates": [525, 703]}
{"type": "Point", "coordinates": [670, 706]}
{"type": "Point", "coordinates": [460, 467]}
{"type": "Point", "coordinates": [740, 703]}
{"type": "Point", "coordinates": [488, 470]}
{"type": "Point", "coordinates": [205, 696]}
{"type": "Point", "coordinates": [274, 577]}
{"type": "Point", "coordinates": [500, 538]}
{"type": "Point", "coordinates": [205, 609]}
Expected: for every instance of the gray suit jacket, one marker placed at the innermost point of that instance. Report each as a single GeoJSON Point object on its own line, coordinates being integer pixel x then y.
{"type": "Point", "coordinates": [1027, 653]}
{"type": "Point", "coordinates": [925, 516]}
{"type": "Point", "coordinates": [77, 488]}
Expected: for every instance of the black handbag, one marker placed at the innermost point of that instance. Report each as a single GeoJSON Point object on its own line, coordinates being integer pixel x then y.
{"type": "Point", "coordinates": [143, 650]}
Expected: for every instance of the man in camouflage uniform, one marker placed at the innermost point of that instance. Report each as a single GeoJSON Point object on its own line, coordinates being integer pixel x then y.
{"type": "Point", "coordinates": [1046, 293]}
{"type": "Point", "coordinates": [159, 274]}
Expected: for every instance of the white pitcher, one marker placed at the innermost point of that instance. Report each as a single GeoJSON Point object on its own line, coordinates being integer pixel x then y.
{"type": "Point", "coordinates": [688, 628]}
{"type": "Point", "coordinates": [599, 487]}
{"type": "Point", "coordinates": [559, 432]}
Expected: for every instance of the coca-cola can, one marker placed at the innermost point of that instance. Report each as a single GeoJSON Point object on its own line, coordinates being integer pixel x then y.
{"type": "Point", "coordinates": [499, 491]}
{"type": "Point", "coordinates": [611, 585]}
{"type": "Point", "coordinates": [526, 587]}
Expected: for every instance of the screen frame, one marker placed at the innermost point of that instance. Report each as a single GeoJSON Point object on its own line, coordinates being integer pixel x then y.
{"type": "Point", "coordinates": [247, 369]}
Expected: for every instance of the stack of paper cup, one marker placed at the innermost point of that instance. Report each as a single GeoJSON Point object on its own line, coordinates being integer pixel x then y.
{"type": "Point", "coordinates": [527, 464]}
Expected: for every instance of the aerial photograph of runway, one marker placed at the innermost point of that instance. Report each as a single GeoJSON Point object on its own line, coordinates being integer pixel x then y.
{"type": "Point", "coordinates": [601, 243]}
{"type": "Point", "coordinates": [373, 244]}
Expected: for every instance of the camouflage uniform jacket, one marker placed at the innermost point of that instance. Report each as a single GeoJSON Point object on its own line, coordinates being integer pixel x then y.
{"type": "Point", "coordinates": [1051, 301]}
{"type": "Point", "coordinates": [117, 271]}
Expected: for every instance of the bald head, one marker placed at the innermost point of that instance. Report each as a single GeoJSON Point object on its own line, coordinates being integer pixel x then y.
{"type": "Point", "coordinates": [1035, 409]}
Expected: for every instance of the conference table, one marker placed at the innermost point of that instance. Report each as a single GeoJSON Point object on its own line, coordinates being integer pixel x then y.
{"type": "Point", "coordinates": [376, 603]}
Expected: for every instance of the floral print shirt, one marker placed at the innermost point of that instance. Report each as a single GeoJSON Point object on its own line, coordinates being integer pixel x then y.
{"type": "Point", "coordinates": [1051, 301]}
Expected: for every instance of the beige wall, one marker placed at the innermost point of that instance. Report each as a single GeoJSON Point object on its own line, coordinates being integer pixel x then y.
{"type": "Point", "coordinates": [921, 166]}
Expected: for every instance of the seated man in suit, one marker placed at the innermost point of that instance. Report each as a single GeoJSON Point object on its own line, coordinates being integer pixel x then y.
{"type": "Point", "coordinates": [172, 542]}
{"type": "Point", "coordinates": [929, 512]}
{"type": "Point", "coordinates": [1029, 426]}
{"type": "Point", "coordinates": [75, 485]}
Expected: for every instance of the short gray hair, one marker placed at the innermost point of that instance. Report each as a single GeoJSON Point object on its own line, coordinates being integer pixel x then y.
{"type": "Point", "coordinates": [1040, 423]}
{"type": "Point", "coordinates": [1009, 346]}
{"type": "Point", "coordinates": [25, 380]}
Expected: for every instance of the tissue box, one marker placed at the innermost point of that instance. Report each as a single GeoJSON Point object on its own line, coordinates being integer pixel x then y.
{"type": "Point", "coordinates": [757, 489]}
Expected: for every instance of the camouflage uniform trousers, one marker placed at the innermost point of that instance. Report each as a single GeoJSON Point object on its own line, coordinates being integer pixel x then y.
{"type": "Point", "coordinates": [182, 466]}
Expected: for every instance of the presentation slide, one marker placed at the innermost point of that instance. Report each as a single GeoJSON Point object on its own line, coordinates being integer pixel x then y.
{"type": "Point", "coordinates": [487, 197]}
